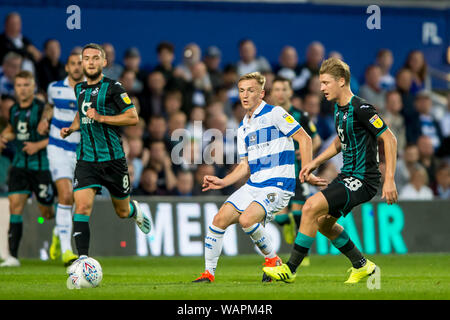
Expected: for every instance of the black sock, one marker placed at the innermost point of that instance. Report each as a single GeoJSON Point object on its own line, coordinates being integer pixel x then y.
{"type": "Point", "coordinates": [353, 254]}
{"type": "Point", "coordinates": [14, 236]}
{"type": "Point", "coordinates": [296, 258]}
{"type": "Point", "coordinates": [82, 235]}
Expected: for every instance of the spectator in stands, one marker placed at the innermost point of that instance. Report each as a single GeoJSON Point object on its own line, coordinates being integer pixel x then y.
{"type": "Point", "coordinates": [149, 184]}
{"type": "Point", "coordinates": [177, 120]}
{"type": "Point", "coordinates": [371, 89]}
{"type": "Point", "coordinates": [185, 183]}
{"type": "Point", "coordinates": [173, 101]}
{"type": "Point", "coordinates": [442, 186]}
{"type": "Point", "coordinates": [112, 70]}
{"type": "Point", "coordinates": [384, 60]}
{"type": "Point", "coordinates": [212, 61]}
{"type": "Point", "coordinates": [152, 97]}
{"type": "Point", "coordinates": [11, 66]}
{"type": "Point", "coordinates": [445, 127]}
{"type": "Point", "coordinates": [195, 125]}
{"type": "Point", "coordinates": [417, 64]}
{"type": "Point", "coordinates": [394, 119]}
{"type": "Point", "coordinates": [132, 61]}
{"type": "Point", "coordinates": [230, 79]}
{"type": "Point", "coordinates": [315, 52]}
{"type": "Point", "coordinates": [288, 63]}
{"type": "Point", "coordinates": [161, 163]}
{"type": "Point", "coordinates": [157, 131]}
{"type": "Point", "coordinates": [199, 91]}
{"type": "Point", "coordinates": [403, 82]}
{"type": "Point", "coordinates": [249, 61]}
{"type": "Point", "coordinates": [166, 55]}
{"type": "Point", "coordinates": [128, 78]}
{"type": "Point", "coordinates": [425, 123]}
{"type": "Point", "coordinates": [13, 40]}
{"type": "Point", "coordinates": [417, 188]}
{"type": "Point", "coordinates": [238, 113]}
{"type": "Point", "coordinates": [426, 157]}
{"type": "Point", "coordinates": [134, 156]}
{"type": "Point", "coordinates": [50, 68]}
{"type": "Point", "coordinates": [202, 171]}
{"type": "Point", "coordinates": [191, 55]}
{"type": "Point", "coordinates": [405, 164]}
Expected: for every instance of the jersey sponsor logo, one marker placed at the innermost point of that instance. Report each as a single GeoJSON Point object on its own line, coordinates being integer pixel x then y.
{"type": "Point", "coordinates": [376, 121]}
{"type": "Point", "coordinates": [364, 106]}
{"type": "Point", "coordinates": [84, 108]}
{"type": "Point", "coordinates": [352, 184]}
{"type": "Point", "coordinates": [125, 98]}
{"type": "Point", "coordinates": [94, 92]}
{"type": "Point", "coordinates": [22, 130]}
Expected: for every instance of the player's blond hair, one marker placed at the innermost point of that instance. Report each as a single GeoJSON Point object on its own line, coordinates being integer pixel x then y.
{"type": "Point", "coordinates": [336, 68]}
{"type": "Point", "coordinates": [254, 76]}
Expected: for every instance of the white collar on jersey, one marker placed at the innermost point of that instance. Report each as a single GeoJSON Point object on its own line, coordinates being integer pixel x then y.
{"type": "Point", "coordinates": [256, 112]}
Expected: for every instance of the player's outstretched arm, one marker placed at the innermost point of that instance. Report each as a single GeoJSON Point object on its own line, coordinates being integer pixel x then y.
{"type": "Point", "coordinates": [389, 191]}
{"type": "Point", "coordinates": [333, 149]}
{"type": "Point", "coordinates": [242, 170]}
{"type": "Point", "coordinates": [65, 132]}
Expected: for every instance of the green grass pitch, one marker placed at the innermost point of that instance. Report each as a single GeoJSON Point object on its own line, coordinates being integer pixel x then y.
{"type": "Point", "coordinates": [413, 276]}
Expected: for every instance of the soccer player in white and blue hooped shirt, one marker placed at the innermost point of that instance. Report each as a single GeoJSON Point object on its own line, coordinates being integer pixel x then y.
{"type": "Point", "coordinates": [267, 155]}
{"type": "Point", "coordinates": [59, 113]}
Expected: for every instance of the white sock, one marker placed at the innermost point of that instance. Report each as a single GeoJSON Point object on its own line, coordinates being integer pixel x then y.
{"type": "Point", "coordinates": [64, 226]}
{"type": "Point", "coordinates": [261, 239]}
{"type": "Point", "coordinates": [213, 247]}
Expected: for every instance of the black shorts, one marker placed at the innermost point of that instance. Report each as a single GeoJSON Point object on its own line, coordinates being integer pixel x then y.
{"type": "Point", "coordinates": [28, 181]}
{"type": "Point", "coordinates": [301, 192]}
{"type": "Point", "coordinates": [113, 175]}
{"type": "Point", "coordinates": [346, 192]}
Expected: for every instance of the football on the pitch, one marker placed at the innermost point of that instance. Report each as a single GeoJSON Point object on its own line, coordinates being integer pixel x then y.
{"type": "Point", "coordinates": [85, 273]}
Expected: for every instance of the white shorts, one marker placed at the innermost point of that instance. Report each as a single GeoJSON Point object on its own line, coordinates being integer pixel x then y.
{"type": "Point", "coordinates": [272, 199]}
{"type": "Point", "coordinates": [61, 162]}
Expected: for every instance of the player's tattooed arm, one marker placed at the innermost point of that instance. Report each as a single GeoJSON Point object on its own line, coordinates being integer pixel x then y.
{"type": "Point", "coordinates": [44, 123]}
{"type": "Point", "coordinates": [65, 132]}
{"type": "Point", "coordinates": [6, 135]}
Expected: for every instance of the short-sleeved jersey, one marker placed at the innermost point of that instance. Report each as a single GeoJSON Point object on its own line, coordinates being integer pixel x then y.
{"type": "Point", "coordinates": [358, 125]}
{"type": "Point", "coordinates": [64, 102]}
{"type": "Point", "coordinates": [24, 122]}
{"type": "Point", "coordinates": [302, 118]}
{"type": "Point", "coordinates": [265, 139]}
{"type": "Point", "coordinates": [100, 142]}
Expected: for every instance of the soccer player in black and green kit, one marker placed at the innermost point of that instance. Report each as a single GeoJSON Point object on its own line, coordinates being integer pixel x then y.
{"type": "Point", "coordinates": [358, 127]}
{"type": "Point", "coordinates": [281, 94]}
{"type": "Point", "coordinates": [29, 172]}
{"type": "Point", "coordinates": [103, 107]}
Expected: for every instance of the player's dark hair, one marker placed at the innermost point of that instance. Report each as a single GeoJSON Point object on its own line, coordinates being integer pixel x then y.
{"type": "Point", "coordinates": [94, 46]}
{"type": "Point", "coordinates": [282, 79]}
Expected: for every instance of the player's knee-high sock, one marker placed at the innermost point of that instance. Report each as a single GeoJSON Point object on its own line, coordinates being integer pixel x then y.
{"type": "Point", "coordinates": [302, 245]}
{"type": "Point", "coordinates": [63, 221]}
{"type": "Point", "coordinates": [261, 238]}
{"type": "Point", "coordinates": [346, 246]}
{"type": "Point", "coordinates": [281, 218]}
{"type": "Point", "coordinates": [81, 233]}
{"type": "Point", "coordinates": [15, 233]}
{"type": "Point", "coordinates": [132, 210]}
{"type": "Point", "coordinates": [213, 247]}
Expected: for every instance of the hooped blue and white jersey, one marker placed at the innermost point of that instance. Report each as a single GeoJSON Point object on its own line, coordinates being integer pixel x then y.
{"type": "Point", "coordinates": [62, 97]}
{"type": "Point", "coordinates": [266, 140]}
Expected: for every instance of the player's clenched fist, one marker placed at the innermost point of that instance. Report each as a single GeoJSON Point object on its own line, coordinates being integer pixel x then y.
{"type": "Point", "coordinates": [65, 132]}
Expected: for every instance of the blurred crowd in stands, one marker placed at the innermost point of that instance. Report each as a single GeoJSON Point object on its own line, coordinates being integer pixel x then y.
{"type": "Point", "coordinates": [200, 93]}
